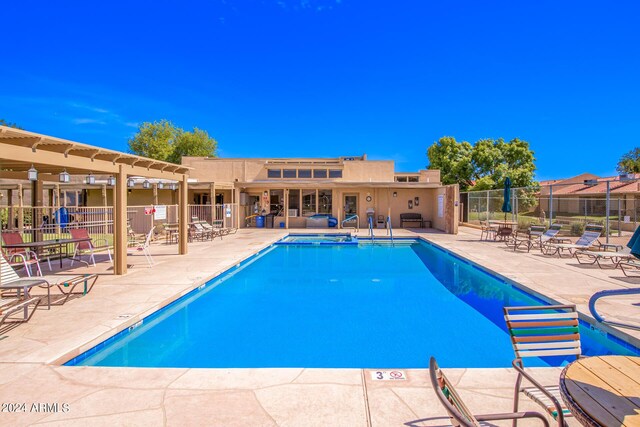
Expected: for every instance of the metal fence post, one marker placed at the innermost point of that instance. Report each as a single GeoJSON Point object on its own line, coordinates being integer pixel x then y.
{"type": "Point", "coordinates": [487, 205]}
{"type": "Point", "coordinates": [550, 205]}
{"type": "Point", "coordinates": [619, 223]}
{"type": "Point", "coordinates": [607, 213]}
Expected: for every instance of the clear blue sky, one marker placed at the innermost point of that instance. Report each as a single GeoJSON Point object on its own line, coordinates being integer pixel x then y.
{"type": "Point", "coordinates": [329, 78]}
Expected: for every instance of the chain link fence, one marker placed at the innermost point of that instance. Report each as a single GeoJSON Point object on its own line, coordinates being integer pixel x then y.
{"type": "Point", "coordinates": [540, 206]}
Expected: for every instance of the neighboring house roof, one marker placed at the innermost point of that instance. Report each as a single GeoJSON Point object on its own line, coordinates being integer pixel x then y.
{"type": "Point", "coordinates": [616, 186]}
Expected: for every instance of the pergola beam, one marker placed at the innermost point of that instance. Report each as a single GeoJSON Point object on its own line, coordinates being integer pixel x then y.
{"type": "Point", "coordinates": [15, 153]}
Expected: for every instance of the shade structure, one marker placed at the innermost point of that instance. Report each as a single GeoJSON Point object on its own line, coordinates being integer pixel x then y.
{"type": "Point", "coordinates": [506, 205]}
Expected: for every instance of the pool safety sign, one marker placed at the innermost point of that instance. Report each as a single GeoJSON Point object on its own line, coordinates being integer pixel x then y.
{"type": "Point", "coordinates": [387, 375]}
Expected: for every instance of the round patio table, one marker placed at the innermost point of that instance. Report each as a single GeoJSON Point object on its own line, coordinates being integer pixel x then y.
{"type": "Point", "coordinates": [603, 390]}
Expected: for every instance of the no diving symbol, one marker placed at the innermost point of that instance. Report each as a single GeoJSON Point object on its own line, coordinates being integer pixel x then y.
{"type": "Point", "coordinates": [395, 374]}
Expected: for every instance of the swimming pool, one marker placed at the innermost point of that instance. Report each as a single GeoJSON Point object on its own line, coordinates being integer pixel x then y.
{"type": "Point", "coordinates": [338, 306]}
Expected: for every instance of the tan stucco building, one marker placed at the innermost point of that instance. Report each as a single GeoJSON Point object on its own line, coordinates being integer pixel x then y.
{"type": "Point", "coordinates": [295, 189]}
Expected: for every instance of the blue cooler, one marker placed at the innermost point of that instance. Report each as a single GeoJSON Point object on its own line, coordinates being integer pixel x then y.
{"type": "Point", "coordinates": [260, 221]}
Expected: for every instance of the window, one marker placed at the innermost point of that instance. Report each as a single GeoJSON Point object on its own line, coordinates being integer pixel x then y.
{"type": "Point", "coordinates": [412, 179]}
{"type": "Point", "coordinates": [319, 173]}
{"type": "Point", "coordinates": [308, 202]}
{"type": "Point", "coordinates": [274, 173]}
{"type": "Point", "coordinates": [335, 173]}
{"type": "Point", "coordinates": [289, 173]}
{"type": "Point", "coordinates": [304, 173]}
{"type": "Point", "coordinates": [401, 179]}
{"type": "Point", "coordinates": [294, 202]}
{"type": "Point", "coordinates": [325, 198]}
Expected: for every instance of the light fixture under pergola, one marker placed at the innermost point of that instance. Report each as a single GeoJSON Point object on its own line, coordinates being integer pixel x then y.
{"type": "Point", "coordinates": [64, 176]}
{"type": "Point", "coordinates": [32, 174]}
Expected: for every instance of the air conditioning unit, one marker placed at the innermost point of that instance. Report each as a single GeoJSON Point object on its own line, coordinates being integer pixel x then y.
{"type": "Point", "coordinates": [293, 212]}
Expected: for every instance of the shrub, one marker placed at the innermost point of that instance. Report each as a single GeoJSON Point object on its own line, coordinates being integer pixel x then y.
{"type": "Point", "coordinates": [577, 228]}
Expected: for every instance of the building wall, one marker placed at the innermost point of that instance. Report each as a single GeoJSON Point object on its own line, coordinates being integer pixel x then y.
{"type": "Point", "coordinates": [249, 170]}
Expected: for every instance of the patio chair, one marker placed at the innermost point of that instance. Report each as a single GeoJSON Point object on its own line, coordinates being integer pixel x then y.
{"type": "Point", "coordinates": [66, 284]}
{"type": "Point", "coordinates": [458, 412]}
{"type": "Point", "coordinates": [586, 256]}
{"type": "Point", "coordinates": [540, 331]}
{"type": "Point", "coordinates": [587, 240]}
{"type": "Point", "coordinates": [536, 237]}
{"type": "Point", "coordinates": [21, 256]}
{"type": "Point", "coordinates": [144, 247]}
{"type": "Point", "coordinates": [213, 232]}
{"type": "Point", "coordinates": [198, 232]}
{"type": "Point", "coordinates": [487, 230]}
{"type": "Point", "coordinates": [89, 246]}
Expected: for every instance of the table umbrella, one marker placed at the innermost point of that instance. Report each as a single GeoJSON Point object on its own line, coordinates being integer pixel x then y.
{"type": "Point", "coordinates": [506, 206]}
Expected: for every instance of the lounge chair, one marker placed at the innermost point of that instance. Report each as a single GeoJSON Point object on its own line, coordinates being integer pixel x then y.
{"type": "Point", "coordinates": [539, 331]}
{"type": "Point", "coordinates": [586, 241]}
{"type": "Point", "coordinates": [629, 267]}
{"type": "Point", "coordinates": [458, 412]}
{"type": "Point", "coordinates": [594, 257]}
{"type": "Point", "coordinates": [527, 239]}
{"type": "Point", "coordinates": [21, 256]}
{"type": "Point", "coordinates": [144, 247]}
{"type": "Point", "coordinates": [537, 237]}
{"type": "Point", "coordinates": [89, 246]}
{"type": "Point", "coordinates": [66, 284]}
{"type": "Point", "coordinates": [213, 232]}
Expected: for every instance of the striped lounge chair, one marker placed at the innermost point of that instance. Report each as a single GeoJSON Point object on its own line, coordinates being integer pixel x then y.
{"type": "Point", "coordinates": [458, 411]}
{"type": "Point", "coordinates": [540, 331]}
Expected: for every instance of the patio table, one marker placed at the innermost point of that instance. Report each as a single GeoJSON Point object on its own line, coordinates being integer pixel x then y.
{"type": "Point", "coordinates": [603, 390]}
{"type": "Point", "coordinates": [38, 246]}
{"type": "Point", "coordinates": [505, 228]}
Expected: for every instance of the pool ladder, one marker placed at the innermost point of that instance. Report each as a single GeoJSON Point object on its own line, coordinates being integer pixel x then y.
{"type": "Point", "coordinates": [371, 229]}
{"type": "Point", "coordinates": [351, 218]}
{"type": "Point", "coordinates": [390, 229]}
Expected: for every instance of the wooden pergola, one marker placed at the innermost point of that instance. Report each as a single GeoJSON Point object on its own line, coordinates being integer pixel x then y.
{"type": "Point", "coordinates": [21, 150]}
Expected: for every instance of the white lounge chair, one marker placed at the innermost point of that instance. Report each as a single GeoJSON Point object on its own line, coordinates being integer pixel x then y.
{"type": "Point", "coordinates": [66, 284]}
{"type": "Point", "coordinates": [144, 247]}
{"type": "Point", "coordinates": [594, 257]}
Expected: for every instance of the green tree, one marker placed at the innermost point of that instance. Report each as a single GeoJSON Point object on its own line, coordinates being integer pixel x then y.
{"type": "Point", "coordinates": [195, 143]}
{"type": "Point", "coordinates": [3, 122]}
{"type": "Point", "coordinates": [630, 162]}
{"type": "Point", "coordinates": [495, 160]}
{"type": "Point", "coordinates": [154, 140]}
{"type": "Point", "coordinates": [485, 165]}
{"type": "Point", "coordinates": [163, 140]}
{"type": "Point", "coordinates": [453, 159]}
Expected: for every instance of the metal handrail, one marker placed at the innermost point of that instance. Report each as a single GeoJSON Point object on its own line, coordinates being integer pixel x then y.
{"type": "Point", "coordinates": [371, 228]}
{"type": "Point", "coordinates": [390, 228]}
{"type": "Point", "coordinates": [609, 293]}
{"type": "Point", "coordinates": [351, 218]}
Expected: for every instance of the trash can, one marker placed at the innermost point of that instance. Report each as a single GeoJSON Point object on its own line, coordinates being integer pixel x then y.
{"type": "Point", "coordinates": [260, 221]}
{"type": "Point", "coordinates": [268, 221]}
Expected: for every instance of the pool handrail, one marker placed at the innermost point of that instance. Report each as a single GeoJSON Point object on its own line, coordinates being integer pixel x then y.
{"type": "Point", "coordinates": [371, 228]}
{"type": "Point", "coordinates": [390, 228]}
{"type": "Point", "coordinates": [351, 218]}
{"type": "Point", "coordinates": [609, 293]}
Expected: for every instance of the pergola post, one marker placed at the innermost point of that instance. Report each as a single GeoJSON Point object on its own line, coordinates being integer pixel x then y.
{"type": "Point", "coordinates": [20, 208]}
{"type": "Point", "coordinates": [11, 213]}
{"type": "Point", "coordinates": [212, 199]}
{"type": "Point", "coordinates": [183, 213]}
{"type": "Point", "coordinates": [120, 223]}
{"type": "Point", "coordinates": [286, 208]}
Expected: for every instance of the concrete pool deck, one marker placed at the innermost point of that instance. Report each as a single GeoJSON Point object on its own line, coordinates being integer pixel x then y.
{"type": "Point", "coordinates": [132, 396]}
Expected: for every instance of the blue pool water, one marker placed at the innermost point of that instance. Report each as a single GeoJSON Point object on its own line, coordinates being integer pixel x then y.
{"type": "Point", "coordinates": [343, 306]}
